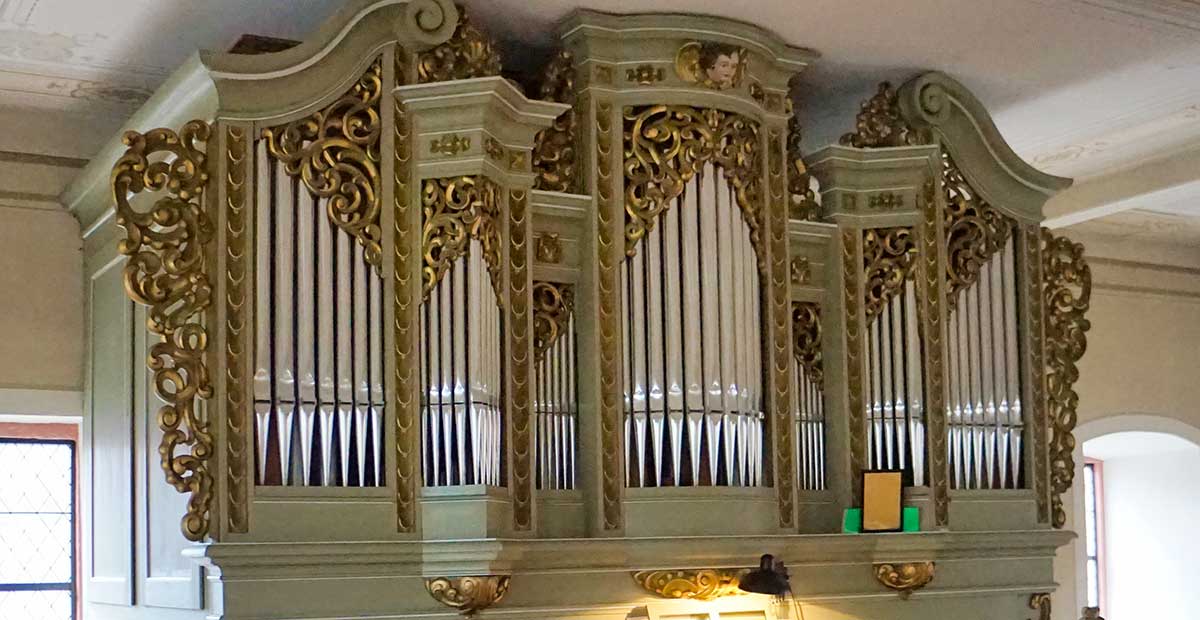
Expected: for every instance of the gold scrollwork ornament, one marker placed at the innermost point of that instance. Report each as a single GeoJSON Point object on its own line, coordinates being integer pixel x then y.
{"type": "Point", "coordinates": [468, 54]}
{"type": "Point", "coordinates": [806, 335]}
{"type": "Point", "coordinates": [1041, 603]}
{"type": "Point", "coordinates": [335, 152]}
{"type": "Point", "coordinates": [457, 210]}
{"type": "Point", "coordinates": [904, 577]}
{"type": "Point", "coordinates": [469, 595]}
{"type": "Point", "coordinates": [554, 146]}
{"type": "Point", "coordinates": [552, 306]}
{"type": "Point", "coordinates": [879, 123]}
{"type": "Point", "coordinates": [888, 258]}
{"type": "Point", "coordinates": [974, 230]}
{"type": "Point", "coordinates": [166, 272]}
{"type": "Point", "coordinates": [699, 584]}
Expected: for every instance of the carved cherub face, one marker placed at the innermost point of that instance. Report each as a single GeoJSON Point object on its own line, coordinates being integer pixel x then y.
{"type": "Point", "coordinates": [720, 64]}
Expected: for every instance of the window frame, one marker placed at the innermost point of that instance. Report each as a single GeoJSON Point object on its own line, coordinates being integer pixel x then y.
{"type": "Point", "coordinates": [1099, 557]}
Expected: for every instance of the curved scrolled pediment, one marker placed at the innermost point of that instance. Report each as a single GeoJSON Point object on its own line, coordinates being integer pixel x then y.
{"type": "Point", "coordinates": [938, 103]}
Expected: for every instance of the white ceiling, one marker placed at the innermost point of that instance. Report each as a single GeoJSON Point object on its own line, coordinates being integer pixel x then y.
{"type": "Point", "coordinates": [1081, 88]}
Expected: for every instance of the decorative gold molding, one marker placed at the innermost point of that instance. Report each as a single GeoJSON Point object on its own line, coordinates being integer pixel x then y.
{"type": "Point", "coordinates": [1041, 603]}
{"type": "Point", "coordinates": [974, 230]}
{"type": "Point", "coordinates": [608, 296]}
{"type": "Point", "coordinates": [468, 595]}
{"type": "Point", "coordinates": [665, 146]}
{"type": "Point", "coordinates": [710, 64]}
{"type": "Point", "coordinates": [1068, 292]}
{"type": "Point", "coordinates": [519, 359]}
{"type": "Point", "coordinates": [1033, 340]}
{"type": "Point", "coordinates": [450, 145]}
{"type": "Point", "coordinates": [166, 271]}
{"type": "Point", "coordinates": [405, 333]}
{"type": "Point", "coordinates": [468, 54]}
{"type": "Point", "coordinates": [237, 291]}
{"type": "Point", "coordinates": [645, 74]}
{"type": "Point", "coordinates": [335, 152]}
{"type": "Point", "coordinates": [704, 584]}
{"type": "Point", "coordinates": [806, 340]}
{"type": "Point", "coordinates": [851, 300]}
{"type": "Point", "coordinates": [553, 303]}
{"type": "Point", "coordinates": [803, 204]}
{"type": "Point", "coordinates": [547, 248]}
{"type": "Point", "coordinates": [885, 201]}
{"type": "Point", "coordinates": [879, 123]}
{"type": "Point", "coordinates": [779, 385]}
{"type": "Point", "coordinates": [905, 578]}
{"type": "Point", "coordinates": [930, 314]}
{"type": "Point", "coordinates": [800, 271]}
{"type": "Point", "coordinates": [494, 149]}
{"type": "Point", "coordinates": [602, 74]}
{"type": "Point", "coordinates": [456, 210]}
{"type": "Point", "coordinates": [888, 258]}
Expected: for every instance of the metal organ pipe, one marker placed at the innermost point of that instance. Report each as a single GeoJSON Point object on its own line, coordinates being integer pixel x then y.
{"type": "Point", "coordinates": [461, 420]}
{"type": "Point", "coordinates": [985, 418]}
{"type": "Point", "coordinates": [693, 404]}
{"type": "Point", "coordinates": [318, 393]}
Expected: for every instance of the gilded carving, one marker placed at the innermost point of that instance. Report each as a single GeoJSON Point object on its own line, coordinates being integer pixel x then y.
{"type": "Point", "coordinates": [1068, 291]}
{"type": "Point", "coordinates": [885, 201]}
{"type": "Point", "coordinates": [888, 258]}
{"type": "Point", "coordinates": [665, 146]}
{"type": "Point", "coordinates": [547, 248]}
{"type": "Point", "coordinates": [803, 204]}
{"type": "Point", "coordinates": [806, 340]}
{"type": "Point", "coordinates": [493, 149]}
{"type": "Point", "coordinates": [553, 303]}
{"type": "Point", "coordinates": [335, 152]}
{"type": "Point", "coordinates": [469, 595]}
{"type": "Point", "coordinates": [554, 147]}
{"type": "Point", "coordinates": [236, 293]}
{"type": "Point", "coordinates": [468, 54]}
{"type": "Point", "coordinates": [703, 584]}
{"type": "Point", "coordinates": [450, 145]}
{"type": "Point", "coordinates": [166, 271]}
{"type": "Point", "coordinates": [801, 271]}
{"type": "Point", "coordinates": [905, 578]}
{"type": "Point", "coordinates": [930, 312]}
{"type": "Point", "coordinates": [974, 230]}
{"type": "Point", "coordinates": [1031, 266]}
{"type": "Point", "coordinates": [779, 346]}
{"type": "Point", "coordinates": [710, 64]}
{"type": "Point", "coordinates": [518, 326]}
{"type": "Point", "coordinates": [1040, 602]}
{"type": "Point", "coordinates": [879, 123]}
{"type": "Point", "coordinates": [757, 93]}
{"type": "Point", "coordinates": [645, 74]}
{"type": "Point", "coordinates": [456, 210]}
{"type": "Point", "coordinates": [405, 331]}
{"type": "Point", "coordinates": [607, 214]}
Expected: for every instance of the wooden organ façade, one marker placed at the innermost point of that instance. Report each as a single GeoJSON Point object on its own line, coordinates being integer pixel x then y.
{"type": "Point", "coordinates": [461, 332]}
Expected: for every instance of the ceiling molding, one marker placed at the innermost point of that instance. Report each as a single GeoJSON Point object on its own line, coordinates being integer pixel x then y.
{"type": "Point", "coordinates": [37, 158]}
{"type": "Point", "coordinates": [1183, 14]}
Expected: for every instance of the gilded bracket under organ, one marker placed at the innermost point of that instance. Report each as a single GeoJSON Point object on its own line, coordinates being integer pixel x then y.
{"type": "Point", "coordinates": [703, 584]}
{"type": "Point", "coordinates": [166, 271]}
{"type": "Point", "coordinates": [667, 145]}
{"type": "Point", "coordinates": [335, 152]}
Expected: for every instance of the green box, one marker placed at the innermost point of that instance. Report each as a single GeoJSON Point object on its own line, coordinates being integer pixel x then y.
{"type": "Point", "coordinates": [911, 518]}
{"type": "Point", "coordinates": [852, 521]}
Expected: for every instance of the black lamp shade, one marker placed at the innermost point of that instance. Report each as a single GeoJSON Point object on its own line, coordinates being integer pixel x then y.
{"type": "Point", "coordinates": [771, 577]}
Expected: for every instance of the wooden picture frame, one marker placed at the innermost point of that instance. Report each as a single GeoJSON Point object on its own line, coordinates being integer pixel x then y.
{"type": "Point", "coordinates": [882, 509]}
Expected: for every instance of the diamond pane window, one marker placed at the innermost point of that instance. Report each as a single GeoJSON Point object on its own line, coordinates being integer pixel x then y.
{"type": "Point", "coordinates": [37, 529]}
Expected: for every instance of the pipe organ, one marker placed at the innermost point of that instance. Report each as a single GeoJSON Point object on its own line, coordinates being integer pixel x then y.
{"type": "Point", "coordinates": [400, 302]}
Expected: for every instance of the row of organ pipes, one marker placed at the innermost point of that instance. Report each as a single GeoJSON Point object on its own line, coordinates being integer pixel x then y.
{"type": "Point", "coordinates": [318, 381]}
{"type": "Point", "coordinates": [692, 345]}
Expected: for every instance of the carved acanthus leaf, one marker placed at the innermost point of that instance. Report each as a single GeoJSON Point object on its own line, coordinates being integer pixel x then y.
{"type": "Point", "coordinates": [879, 123]}
{"type": "Point", "coordinates": [552, 306]}
{"type": "Point", "coordinates": [554, 147]}
{"type": "Point", "coordinates": [888, 258]}
{"type": "Point", "coordinates": [456, 210]}
{"type": "Point", "coordinates": [806, 332]}
{"type": "Point", "coordinates": [468, 54]}
{"type": "Point", "coordinates": [974, 230]}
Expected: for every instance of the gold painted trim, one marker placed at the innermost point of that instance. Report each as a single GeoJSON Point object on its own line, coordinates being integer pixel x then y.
{"type": "Point", "coordinates": [906, 577]}
{"type": "Point", "coordinates": [608, 296]}
{"type": "Point", "coordinates": [468, 595]}
{"type": "Point", "coordinates": [779, 348]}
{"type": "Point", "coordinates": [1041, 603]}
{"type": "Point", "coordinates": [851, 299]}
{"type": "Point", "coordinates": [405, 334]}
{"type": "Point", "coordinates": [1068, 292]}
{"type": "Point", "coordinates": [335, 152]}
{"type": "Point", "coordinates": [704, 584]}
{"type": "Point", "coordinates": [520, 359]}
{"type": "Point", "coordinates": [237, 291]}
{"type": "Point", "coordinates": [166, 271]}
{"type": "Point", "coordinates": [931, 315]}
{"type": "Point", "coordinates": [1034, 338]}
